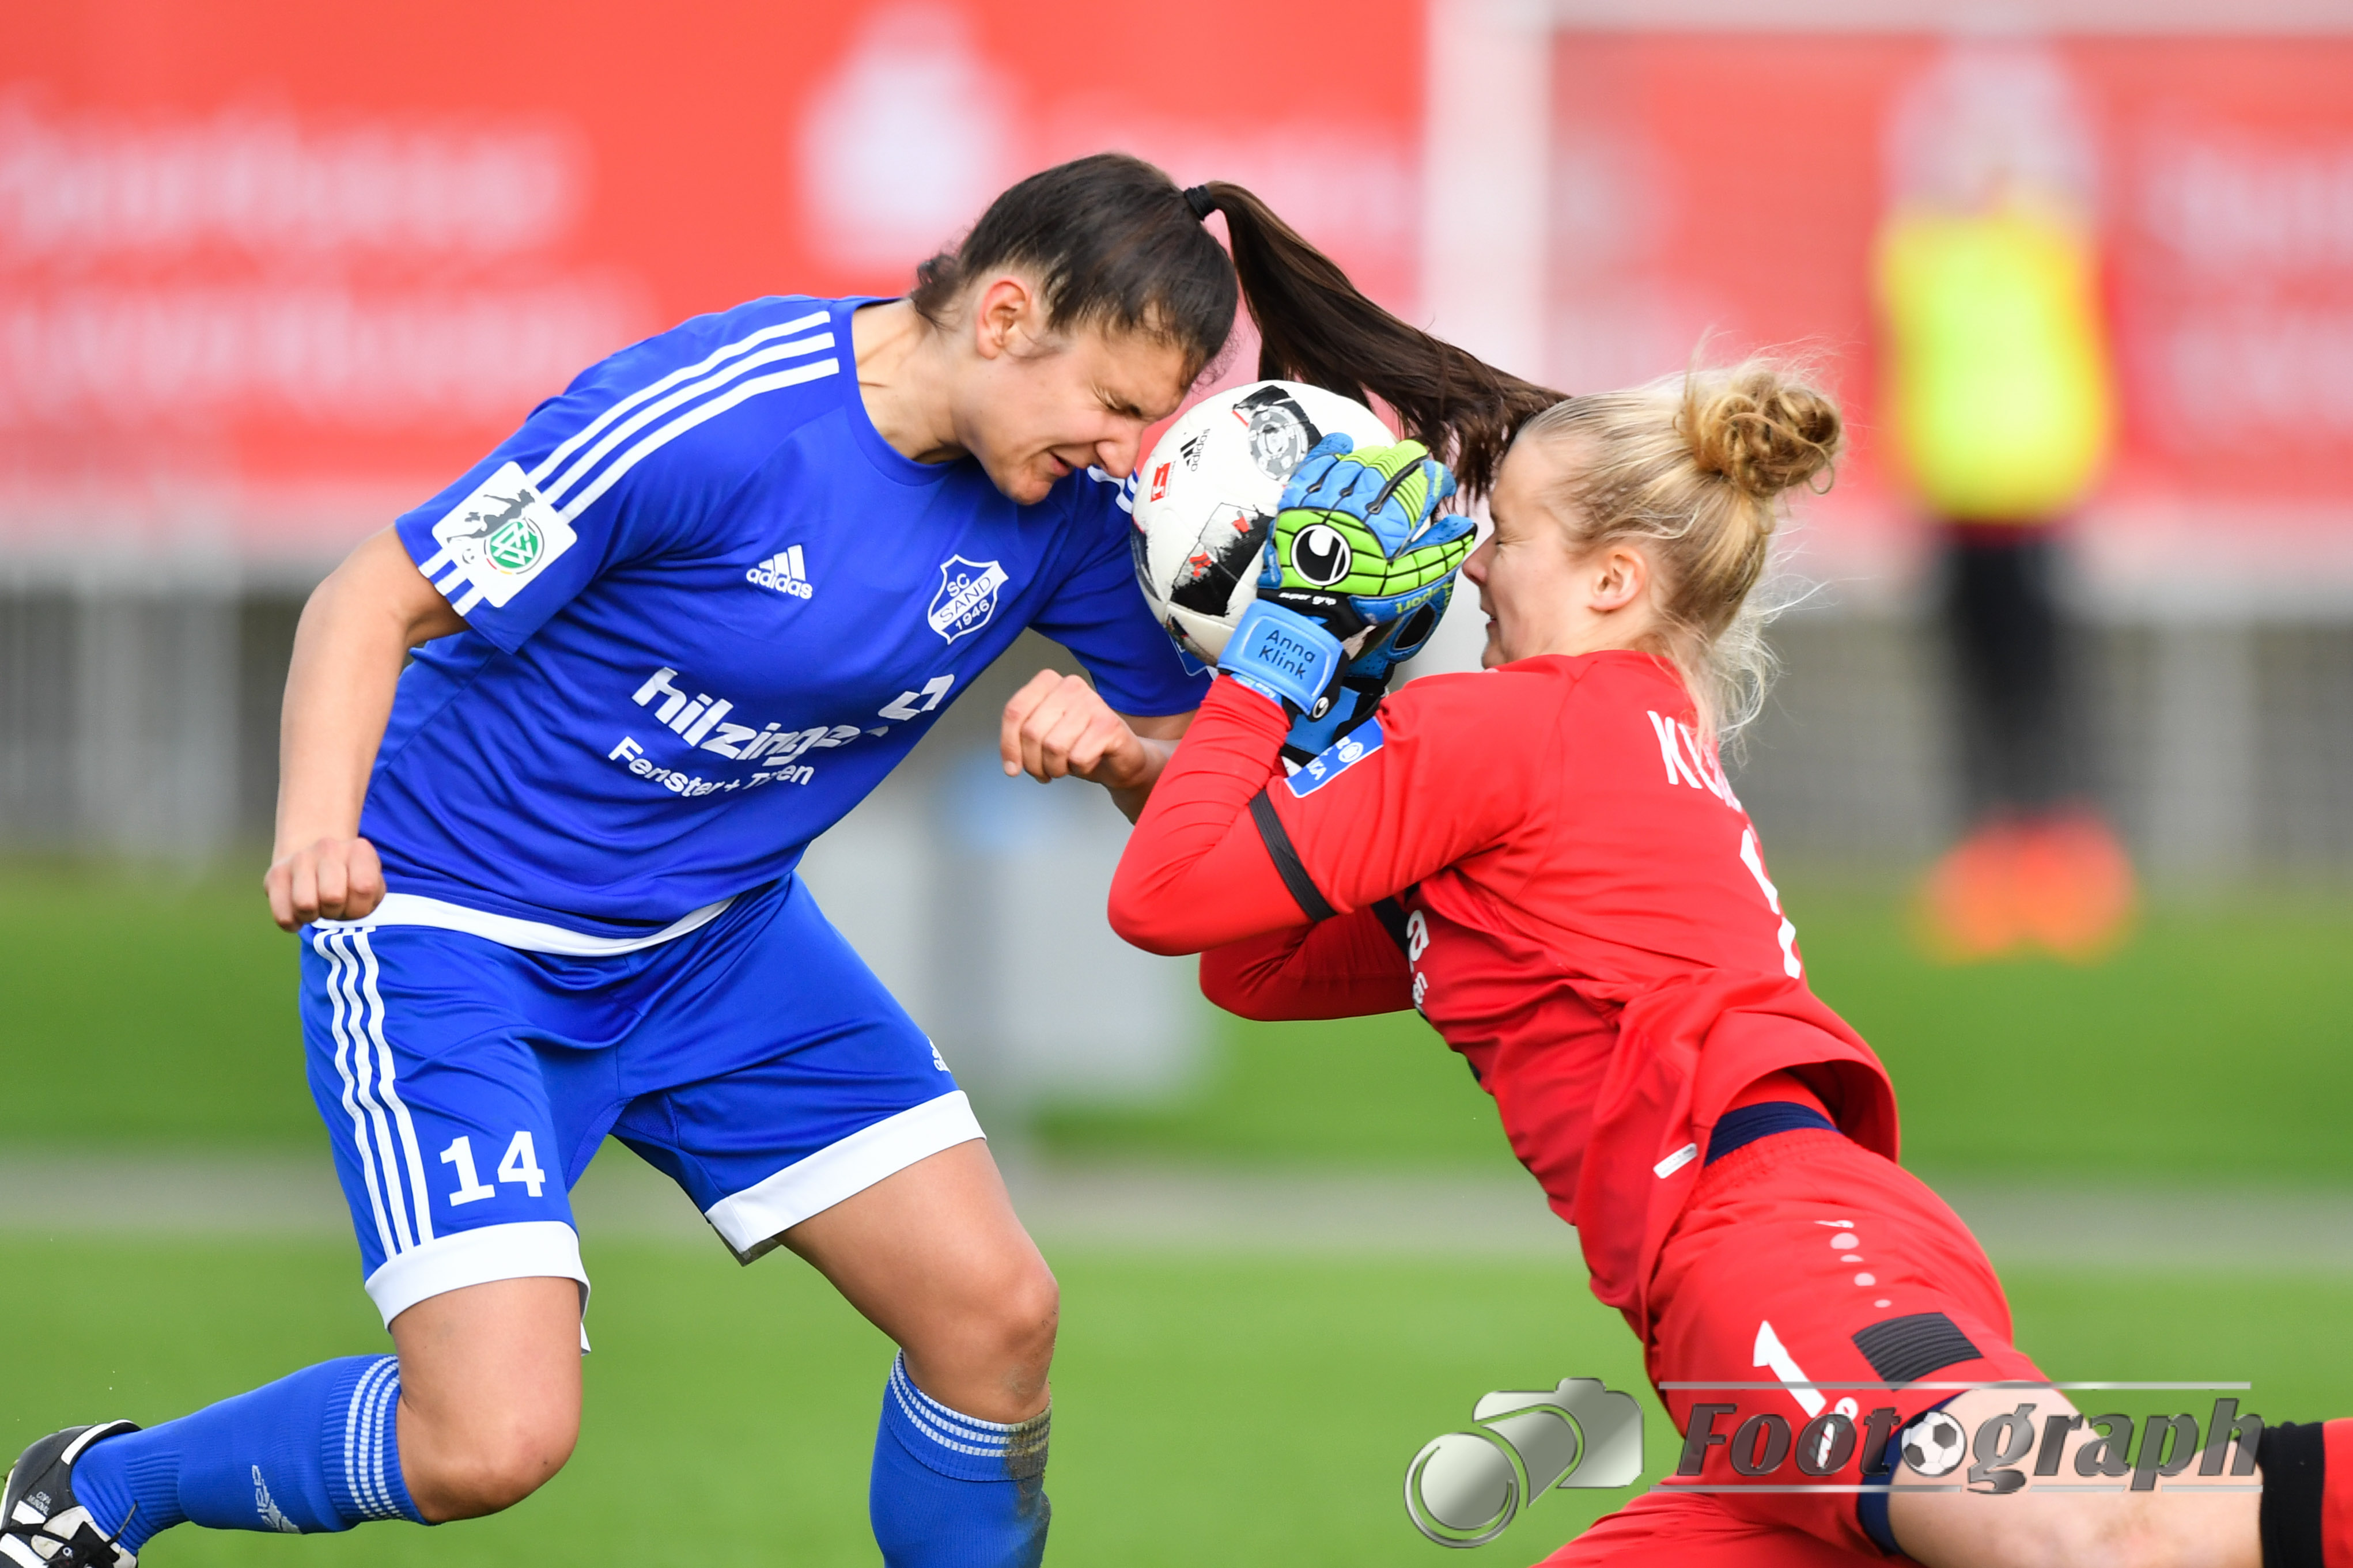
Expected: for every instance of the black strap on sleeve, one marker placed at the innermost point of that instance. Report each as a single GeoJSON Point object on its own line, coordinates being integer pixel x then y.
{"type": "Point", "coordinates": [1277, 839]}
{"type": "Point", "coordinates": [2288, 1521]}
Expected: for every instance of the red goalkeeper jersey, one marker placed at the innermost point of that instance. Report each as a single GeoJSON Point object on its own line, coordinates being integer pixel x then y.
{"type": "Point", "coordinates": [1548, 861]}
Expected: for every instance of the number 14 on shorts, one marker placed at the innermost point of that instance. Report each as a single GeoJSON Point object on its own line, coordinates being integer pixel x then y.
{"type": "Point", "coordinates": [519, 1163]}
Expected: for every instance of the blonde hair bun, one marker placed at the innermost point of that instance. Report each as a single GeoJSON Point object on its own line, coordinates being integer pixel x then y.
{"type": "Point", "coordinates": [1693, 466]}
{"type": "Point", "coordinates": [1758, 428]}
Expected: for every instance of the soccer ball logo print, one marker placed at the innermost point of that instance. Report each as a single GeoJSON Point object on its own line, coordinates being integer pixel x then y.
{"type": "Point", "coordinates": [967, 596]}
{"type": "Point", "coordinates": [1320, 555]}
{"type": "Point", "coordinates": [1934, 1444]}
{"type": "Point", "coordinates": [1279, 437]}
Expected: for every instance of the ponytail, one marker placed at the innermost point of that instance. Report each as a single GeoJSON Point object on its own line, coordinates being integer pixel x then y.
{"type": "Point", "coordinates": [1314, 326]}
{"type": "Point", "coordinates": [1115, 244]}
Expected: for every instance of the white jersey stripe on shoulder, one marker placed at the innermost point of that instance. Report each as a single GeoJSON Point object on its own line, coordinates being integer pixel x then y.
{"type": "Point", "coordinates": [388, 1086]}
{"type": "Point", "coordinates": [325, 947]}
{"type": "Point", "coordinates": [687, 421]}
{"type": "Point", "coordinates": [587, 433]}
{"type": "Point", "coordinates": [554, 490]}
{"type": "Point", "coordinates": [1122, 490]}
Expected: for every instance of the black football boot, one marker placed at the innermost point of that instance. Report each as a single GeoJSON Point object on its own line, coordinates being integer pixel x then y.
{"type": "Point", "coordinates": [41, 1523]}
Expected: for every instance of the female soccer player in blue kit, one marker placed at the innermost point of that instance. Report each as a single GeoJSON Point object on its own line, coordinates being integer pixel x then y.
{"type": "Point", "coordinates": [665, 634]}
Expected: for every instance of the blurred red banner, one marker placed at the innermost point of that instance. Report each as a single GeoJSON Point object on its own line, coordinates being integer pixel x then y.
{"type": "Point", "coordinates": [1736, 186]}
{"type": "Point", "coordinates": [269, 269]}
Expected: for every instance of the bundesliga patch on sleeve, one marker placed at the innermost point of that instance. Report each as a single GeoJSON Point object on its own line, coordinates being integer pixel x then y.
{"type": "Point", "coordinates": [496, 541]}
{"type": "Point", "coordinates": [1342, 754]}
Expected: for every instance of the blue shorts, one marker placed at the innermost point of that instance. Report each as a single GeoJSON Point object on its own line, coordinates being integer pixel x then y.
{"type": "Point", "coordinates": [467, 1082]}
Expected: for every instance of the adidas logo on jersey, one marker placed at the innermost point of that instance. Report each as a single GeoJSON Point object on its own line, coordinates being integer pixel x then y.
{"type": "Point", "coordinates": [783, 573]}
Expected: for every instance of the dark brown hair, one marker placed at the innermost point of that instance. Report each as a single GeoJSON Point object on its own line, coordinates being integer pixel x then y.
{"type": "Point", "coordinates": [1116, 245]}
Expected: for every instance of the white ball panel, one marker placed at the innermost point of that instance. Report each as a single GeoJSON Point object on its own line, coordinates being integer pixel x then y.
{"type": "Point", "coordinates": [1218, 472]}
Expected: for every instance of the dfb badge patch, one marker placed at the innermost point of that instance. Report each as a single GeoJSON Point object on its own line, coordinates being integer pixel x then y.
{"type": "Point", "coordinates": [967, 596]}
{"type": "Point", "coordinates": [1337, 758]}
{"type": "Point", "coordinates": [497, 540]}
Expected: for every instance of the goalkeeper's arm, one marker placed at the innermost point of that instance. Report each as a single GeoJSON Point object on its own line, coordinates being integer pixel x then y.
{"type": "Point", "coordinates": [1194, 875]}
{"type": "Point", "coordinates": [1230, 848]}
{"type": "Point", "coordinates": [1347, 967]}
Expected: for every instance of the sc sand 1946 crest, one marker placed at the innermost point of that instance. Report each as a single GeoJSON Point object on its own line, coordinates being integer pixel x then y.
{"type": "Point", "coordinates": [967, 596]}
{"type": "Point", "coordinates": [496, 541]}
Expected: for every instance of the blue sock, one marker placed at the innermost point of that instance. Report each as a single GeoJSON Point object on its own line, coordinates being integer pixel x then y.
{"type": "Point", "coordinates": [950, 1491]}
{"type": "Point", "coordinates": [315, 1451]}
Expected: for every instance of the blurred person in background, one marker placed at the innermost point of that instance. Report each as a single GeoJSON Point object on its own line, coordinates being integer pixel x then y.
{"type": "Point", "coordinates": [552, 746]}
{"type": "Point", "coordinates": [2001, 408]}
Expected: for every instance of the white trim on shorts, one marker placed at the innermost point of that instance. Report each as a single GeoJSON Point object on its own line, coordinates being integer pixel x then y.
{"type": "Point", "coordinates": [392, 1166]}
{"type": "Point", "coordinates": [521, 1249]}
{"type": "Point", "coordinates": [524, 936]}
{"type": "Point", "coordinates": [751, 1220]}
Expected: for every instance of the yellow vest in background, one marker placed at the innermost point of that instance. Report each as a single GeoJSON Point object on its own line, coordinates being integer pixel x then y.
{"type": "Point", "coordinates": [1997, 373]}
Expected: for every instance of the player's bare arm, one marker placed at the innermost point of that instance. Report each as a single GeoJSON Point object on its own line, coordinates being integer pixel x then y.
{"type": "Point", "coordinates": [355, 635]}
{"type": "Point", "coordinates": [1058, 726]}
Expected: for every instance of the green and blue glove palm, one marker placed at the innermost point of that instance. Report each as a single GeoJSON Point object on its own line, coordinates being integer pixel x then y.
{"type": "Point", "coordinates": [1359, 553]}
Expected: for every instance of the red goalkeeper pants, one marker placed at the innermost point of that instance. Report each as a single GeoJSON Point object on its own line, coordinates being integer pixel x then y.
{"type": "Point", "coordinates": [1801, 1257]}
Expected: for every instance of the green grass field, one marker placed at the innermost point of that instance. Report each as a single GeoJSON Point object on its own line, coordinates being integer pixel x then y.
{"type": "Point", "coordinates": [2213, 1048]}
{"type": "Point", "coordinates": [1208, 1410]}
{"type": "Point", "coordinates": [1211, 1409]}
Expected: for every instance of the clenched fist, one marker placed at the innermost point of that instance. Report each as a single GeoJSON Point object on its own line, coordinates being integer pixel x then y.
{"type": "Point", "coordinates": [1057, 727]}
{"type": "Point", "coordinates": [335, 878]}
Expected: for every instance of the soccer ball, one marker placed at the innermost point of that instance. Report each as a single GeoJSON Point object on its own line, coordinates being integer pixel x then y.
{"type": "Point", "coordinates": [1934, 1444]}
{"type": "Point", "coordinates": [1206, 499]}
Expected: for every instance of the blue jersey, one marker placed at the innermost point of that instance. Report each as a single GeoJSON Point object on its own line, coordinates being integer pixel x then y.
{"type": "Point", "coordinates": [708, 608]}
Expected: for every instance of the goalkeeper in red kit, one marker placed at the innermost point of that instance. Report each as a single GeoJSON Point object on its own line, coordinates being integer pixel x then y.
{"type": "Point", "coordinates": [1546, 860]}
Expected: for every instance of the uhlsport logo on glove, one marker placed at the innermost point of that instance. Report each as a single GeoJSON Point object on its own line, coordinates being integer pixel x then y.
{"type": "Point", "coordinates": [1465, 1488]}
{"type": "Point", "coordinates": [1366, 524]}
{"type": "Point", "coordinates": [1320, 556]}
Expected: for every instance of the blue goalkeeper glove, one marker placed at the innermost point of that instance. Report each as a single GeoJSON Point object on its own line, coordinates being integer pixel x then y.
{"type": "Point", "coordinates": [1359, 544]}
{"type": "Point", "coordinates": [1363, 681]}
